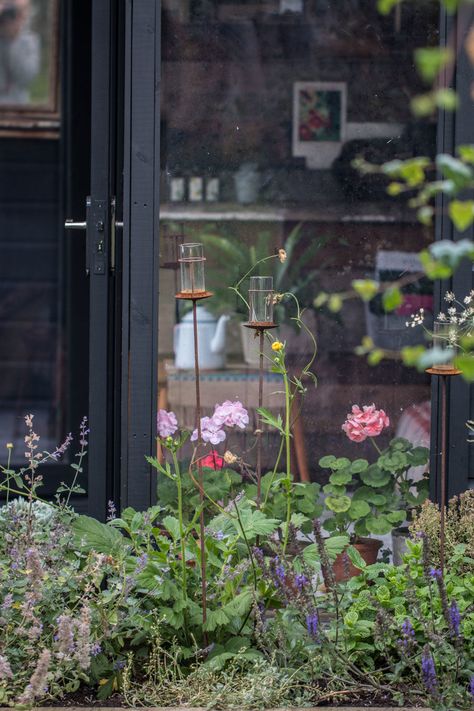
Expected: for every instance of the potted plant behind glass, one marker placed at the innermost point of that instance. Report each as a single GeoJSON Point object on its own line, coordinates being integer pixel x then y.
{"type": "Point", "coordinates": [234, 257]}
{"type": "Point", "coordinates": [365, 499]}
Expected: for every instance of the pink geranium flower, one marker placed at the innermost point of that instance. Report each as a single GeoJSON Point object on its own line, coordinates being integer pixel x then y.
{"type": "Point", "coordinates": [213, 460]}
{"type": "Point", "coordinates": [231, 414]}
{"type": "Point", "coordinates": [211, 431]}
{"type": "Point", "coordinates": [365, 422]}
{"type": "Point", "coordinates": [167, 423]}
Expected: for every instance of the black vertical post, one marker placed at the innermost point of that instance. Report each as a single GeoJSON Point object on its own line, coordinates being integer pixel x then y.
{"type": "Point", "coordinates": [103, 135]}
{"type": "Point", "coordinates": [454, 129]}
{"type": "Point", "coordinates": [140, 249]}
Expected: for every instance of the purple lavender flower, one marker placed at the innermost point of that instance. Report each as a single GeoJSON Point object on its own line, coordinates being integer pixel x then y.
{"type": "Point", "coordinates": [119, 665]}
{"type": "Point", "coordinates": [59, 451]}
{"type": "Point", "coordinates": [5, 668]}
{"type": "Point", "coordinates": [436, 573]}
{"type": "Point", "coordinates": [36, 686]}
{"type": "Point", "coordinates": [408, 634]}
{"type": "Point", "coordinates": [167, 423]}
{"type": "Point", "coordinates": [471, 686]}
{"type": "Point", "coordinates": [211, 431]}
{"type": "Point", "coordinates": [95, 649]}
{"type": "Point", "coordinates": [312, 624]}
{"type": "Point", "coordinates": [84, 431]}
{"type": "Point", "coordinates": [141, 563]}
{"type": "Point", "coordinates": [231, 414]}
{"type": "Point", "coordinates": [301, 581]}
{"type": "Point", "coordinates": [111, 511]}
{"type": "Point", "coordinates": [7, 601]}
{"type": "Point", "coordinates": [428, 671]}
{"type": "Point", "coordinates": [454, 619]}
{"type": "Point", "coordinates": [279, 570]}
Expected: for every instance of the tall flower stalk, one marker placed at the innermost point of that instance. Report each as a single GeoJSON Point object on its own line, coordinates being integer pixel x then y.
{"type": "Point", "coordinates": [293, 385]}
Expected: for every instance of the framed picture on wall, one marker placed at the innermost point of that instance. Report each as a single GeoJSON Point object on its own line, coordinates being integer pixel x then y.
{"type": "Point", "coordinates": [29, 67]}
{"type": "Point", "coordinates": [319, 121]}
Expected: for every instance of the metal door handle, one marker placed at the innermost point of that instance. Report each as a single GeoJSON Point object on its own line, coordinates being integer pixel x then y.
{"type": "Point", "coordinates": [71, 225]}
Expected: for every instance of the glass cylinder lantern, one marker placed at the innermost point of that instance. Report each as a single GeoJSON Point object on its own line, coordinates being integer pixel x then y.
{"type": "Point", "coordinates": [191, 262]}
{"type": "Point", "coordinates": [261, 301]}
{"type": "Point", "coordinates": [445, 337]}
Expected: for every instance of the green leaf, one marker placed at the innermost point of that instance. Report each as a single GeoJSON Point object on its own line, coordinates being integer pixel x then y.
{"type": "Point", "coordinates": [351, 617]}
{"type": "Point", "coordinates": [172, 526]}
{"type": "Point", "coordinates": [446, 99]}
{"type": "Point", "coordinates": [358, 466]}
{"type": "Point", "coordinates": [462, 213]}
{"type": "Point", "coordinates": [341, 477]}
{"type": "Point", "coordinates": [240, 604]}
{"type": "Point", "coordinates": [375, 357]}
{"type": "Point", "coordinates": [467, 153]}
{"type": "Point", "coordinates": [215, 618]}
{"type": "Point", "coordinates": [327, 462]}
{"type": "Point", "coordinates": [365, 288]}
{"type": "Point", "coordinates": [335, 303]}
{"type": "Point", "coordinates": [320, 300]}
{"type": "Point", "coordinates": [465, 363]}
{"type": "Point", "coordinates": [366, 493]}
{"type": "Point", "coordinates": [358, 509]}
{"type": "Point", "coordinates": [412, 354]}
{"type": "Point", "coordinates": [396, 517]}
{"type": "Point", "coordinates": [90, 534]}
{"type": "Point", "coordinates": [379, 525]}
{"type": "Point", "coordinates": [425, 215]}
{"type": "Point", "coordinates": [375, 477]}
{"type": "Point", "coordinates": [454, 169]}
{"type": "Point", "coordinates": [338, 504]}
{"type": "Point", "coordinates": [269, 419]}
{"type": "Point", "coordinates": [392, 299]}
{"type": "Point", "coordinates": [431, 60]}
{"type": "Point", "coordinates": [394, 189]}
{"type": "Point", "coordinates": [386, 6]}
{"type": "Point", "coordinates": [255, 523]}
{"type": "Point", "coordinates": [335, 545]}
{"type": "Point", "coordinates": [341, 463]}
{"type": "Point", "coordinates": [423, 104]}
{"type": "Point", "coordinates": [356, 558]}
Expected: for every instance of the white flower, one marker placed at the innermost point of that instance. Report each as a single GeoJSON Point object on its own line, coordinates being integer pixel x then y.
{"type": "Point", "coordinates": [452, 311]}
{"type": "Point", "coordinates": [441, 316]}
{"type": "Point", "coordinates": [449, 296]}
{"type": "Point", "coordinates": [467, 299]}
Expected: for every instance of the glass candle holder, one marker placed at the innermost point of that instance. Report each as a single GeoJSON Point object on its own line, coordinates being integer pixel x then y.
{"type": "Point", "coordinates": [445, 337]}
{"type": "Point", "coordinates": [191, 262]}
{"type": "Point", "coordinates": [261, 300]}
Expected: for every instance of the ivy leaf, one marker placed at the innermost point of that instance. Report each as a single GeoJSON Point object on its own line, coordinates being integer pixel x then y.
{"type": "Point", "coordinates": [431, 60]}
{"type": "Point", "coordinates": [465, 363]}
{"type": "Point", "coordinates": [466, 152]}
{"type": "Point", "coordinates": [386, 6]}
{"type": "Point", "coordinates": [365, 288]}
{"type": "Point", "coordinates": [392, 299]}
{"type": "Point", "coordinates": [462, 213]}
{"type": "Point", "coordinates": [454, 169]}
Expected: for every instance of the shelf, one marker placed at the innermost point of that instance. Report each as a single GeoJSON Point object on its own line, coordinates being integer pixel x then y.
{"type": "Point", "coordinates": [375, 213]}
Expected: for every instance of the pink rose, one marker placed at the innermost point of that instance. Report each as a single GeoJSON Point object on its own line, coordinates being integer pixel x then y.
{"type": "Point", "coordinates": [364, 423]}
{"type": "Point", "coordinates": [167, 423]}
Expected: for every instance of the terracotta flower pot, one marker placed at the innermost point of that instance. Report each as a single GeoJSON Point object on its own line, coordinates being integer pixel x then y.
{"type": "Point", "coordinates": [368, 549]}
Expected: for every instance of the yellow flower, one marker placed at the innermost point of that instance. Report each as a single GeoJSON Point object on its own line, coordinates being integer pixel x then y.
{"type": "Point", "coordinates": [282, 255]}
{"type": "Point", "coordinates": [277, 346]}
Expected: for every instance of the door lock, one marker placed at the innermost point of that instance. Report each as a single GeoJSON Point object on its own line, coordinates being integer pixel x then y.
{"type": "Point", "coordinates": [98, 214]}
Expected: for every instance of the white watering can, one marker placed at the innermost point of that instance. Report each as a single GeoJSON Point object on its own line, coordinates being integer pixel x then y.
{"type": "Point", "coordinates": [211, 335]}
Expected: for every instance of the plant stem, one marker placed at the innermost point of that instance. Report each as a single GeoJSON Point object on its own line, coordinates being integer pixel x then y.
{"type": "Point", "coordinates": [288, 459]}
{"type": "Point", "coordinates": [182, 540]}
{"type": "Point", "coordinates": [376, 445]}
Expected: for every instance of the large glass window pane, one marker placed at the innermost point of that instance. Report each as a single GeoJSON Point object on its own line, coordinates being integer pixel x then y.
{"type": "Point", "coordinates": [265, 108]}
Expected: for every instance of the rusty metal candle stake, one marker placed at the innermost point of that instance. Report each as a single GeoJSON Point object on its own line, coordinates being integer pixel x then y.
{"type": "Point", "coordinates": [443, 372]}
{"type": "Point", "coordinates": [191, 262]}
{"type": "Point", "coordinates": [260, 320]}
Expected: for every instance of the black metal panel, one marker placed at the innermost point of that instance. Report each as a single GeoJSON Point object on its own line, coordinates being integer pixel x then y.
{"type": "Point", "coordinates": [103, 139]}
{"type": "Point", "coordinates": [454, 129]}
{"type": "Point", "coordinates": [140, 249]}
